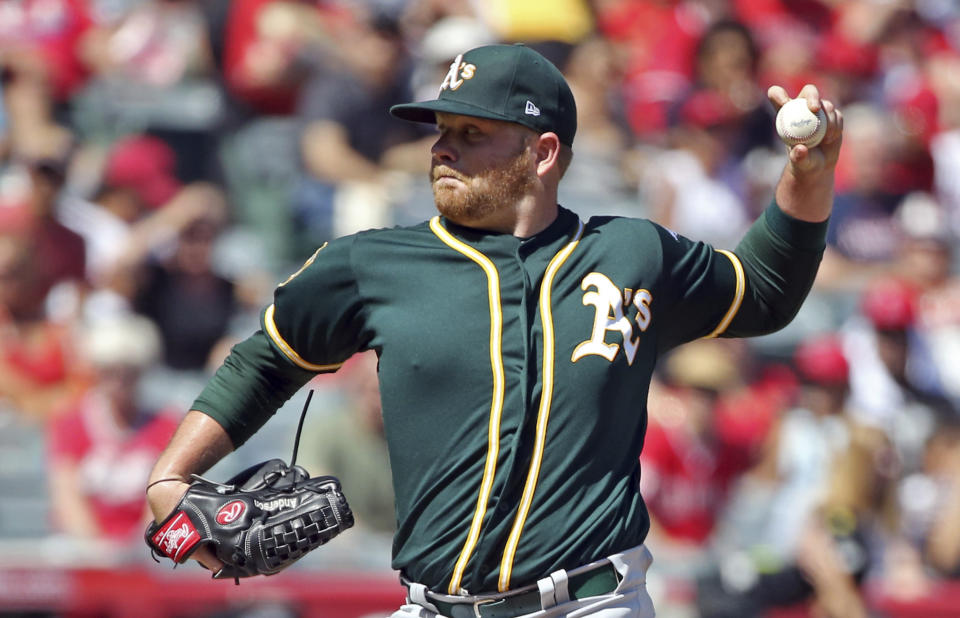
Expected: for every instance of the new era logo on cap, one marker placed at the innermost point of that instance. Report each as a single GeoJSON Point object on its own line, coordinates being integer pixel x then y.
{"type": "Point", "coordinates": [501, 82]}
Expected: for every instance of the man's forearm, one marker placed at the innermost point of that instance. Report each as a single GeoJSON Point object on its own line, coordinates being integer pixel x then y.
{"type": "Point", "coordinates": [781, 252]}
{"type": "Point", "coordinates": [780, 256]}
{"type": "Point", "coordinates": [253, 382]}
{"type": "Point", "coordinates": [197, 445]}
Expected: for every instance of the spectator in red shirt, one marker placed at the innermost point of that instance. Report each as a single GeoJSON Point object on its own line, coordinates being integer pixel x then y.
{"type": "Point", "coordinates": [657, 41]}
{"type": "Point", "coordinates": [60, 252]}
{"type": "Point", "coordinates": [687, 462]}
{"type": "Point", "coordinates": [42, 39]}
{"type": "Point", "coordinates": [686, 467]}
{"type": "Point", "coordinates": [267, 52]}
{"type": "Point", "coordinates": [785, 541]}
{"type": "Point", "coordinates": [102, 446]}
{"type": "Point", "coordinates": [35, 363]}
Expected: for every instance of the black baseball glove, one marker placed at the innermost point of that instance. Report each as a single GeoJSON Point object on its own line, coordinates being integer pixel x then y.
{"type": "Point", "coordinates": [258, 523]}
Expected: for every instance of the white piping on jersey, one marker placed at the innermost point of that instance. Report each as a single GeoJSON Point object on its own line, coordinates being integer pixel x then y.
{"type": "Point", "coordinates": [496, 406]}
{"type": "Point", "coordinates": [737, 297]}
{"type": "Point", "coordinates": [543, 415]}
{"type": "Point", "coordinates": [287, 349]}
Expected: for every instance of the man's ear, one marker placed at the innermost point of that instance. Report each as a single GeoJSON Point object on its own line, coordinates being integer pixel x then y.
{"type": "Point", "coordinates": [547, 150]}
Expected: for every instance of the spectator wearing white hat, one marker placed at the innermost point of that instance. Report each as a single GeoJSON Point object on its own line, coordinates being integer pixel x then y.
{"type": "Point", "coordinates": [102, 446]}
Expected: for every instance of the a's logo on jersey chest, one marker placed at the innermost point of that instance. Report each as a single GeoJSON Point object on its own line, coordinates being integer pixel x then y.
{"type": "Point", "coordinates": [612, 306]}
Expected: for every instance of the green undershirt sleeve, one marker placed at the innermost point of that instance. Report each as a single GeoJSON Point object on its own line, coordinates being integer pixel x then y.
{"type": "Point", "coordinates": [253, 382]}
{"type": "Point", "coordinates": [780, 257]}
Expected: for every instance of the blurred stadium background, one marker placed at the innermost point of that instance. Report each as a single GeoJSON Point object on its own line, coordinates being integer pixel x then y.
{"type": "Point", "coordinates": [164, 163]}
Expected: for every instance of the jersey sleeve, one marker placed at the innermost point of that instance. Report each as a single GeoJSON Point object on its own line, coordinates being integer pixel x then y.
{"type": "Point", "coordinates": [700, 289]}
{"type": "Point", "coordinates": [248, 388]}
{"type": "Point", "coordinates": [313, 326]}
{"type": "Point", "coordinates": [780, 257]}
{"type": "Point", "coordinates": [754, 290]}
{"type": "Point", "coordinates": [315, 320]}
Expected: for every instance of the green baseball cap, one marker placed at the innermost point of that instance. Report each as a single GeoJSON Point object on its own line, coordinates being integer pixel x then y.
{"type": "Point", "coordinates": [502, 82]}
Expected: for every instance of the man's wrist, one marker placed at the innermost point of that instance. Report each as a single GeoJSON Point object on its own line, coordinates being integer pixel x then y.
{"type": "Point", "coordinates": [168, 479]}
{"type": "Point", "coordinates": [806, 197]}
{"type": "Point", "coordinates": [162, 498]}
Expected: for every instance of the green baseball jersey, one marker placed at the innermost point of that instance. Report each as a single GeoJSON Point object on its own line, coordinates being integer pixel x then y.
{"type": "Point", "coordinates": [513, 372]}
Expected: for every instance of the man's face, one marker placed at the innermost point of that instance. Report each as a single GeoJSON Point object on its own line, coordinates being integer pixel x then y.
{"type": "Point", "coordinates": [480, 168]}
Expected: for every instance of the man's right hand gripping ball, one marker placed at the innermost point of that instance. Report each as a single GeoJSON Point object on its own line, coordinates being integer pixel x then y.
{"type": "Point", "coordinates": [257, 523]}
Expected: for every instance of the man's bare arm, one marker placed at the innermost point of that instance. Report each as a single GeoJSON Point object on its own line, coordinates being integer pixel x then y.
{"type": "Point", "coordinates": [196, 446]}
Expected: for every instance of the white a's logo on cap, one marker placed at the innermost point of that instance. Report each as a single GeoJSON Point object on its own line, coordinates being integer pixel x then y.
{"type": "Point", "coordinates": [531, 109]}
{"type": "Point", "coordinates": [459, 71]}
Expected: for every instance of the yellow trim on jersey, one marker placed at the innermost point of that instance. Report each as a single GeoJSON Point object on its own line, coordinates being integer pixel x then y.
{"type": "Point", "coordinates": [737, 297]}
{"type": "Point", "coordinates": [287, 349]}
{"type": "Point", "coordinates": [496, 406]}
{"type": "Point", "coordinates": [543, 415]}
{"type": "Point", "coordinates": [306, 264]}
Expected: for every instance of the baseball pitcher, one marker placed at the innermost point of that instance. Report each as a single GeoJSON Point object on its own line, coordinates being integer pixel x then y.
{"type": "Point", "coordinates": [516, 343]}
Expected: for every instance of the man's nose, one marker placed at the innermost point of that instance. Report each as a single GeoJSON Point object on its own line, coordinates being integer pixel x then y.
{"type": "Point", "coordinates": [443, 150]}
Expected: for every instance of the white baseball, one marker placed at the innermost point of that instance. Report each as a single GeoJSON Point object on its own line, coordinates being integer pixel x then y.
{"type": "Point", "coordinates": [796, 124]}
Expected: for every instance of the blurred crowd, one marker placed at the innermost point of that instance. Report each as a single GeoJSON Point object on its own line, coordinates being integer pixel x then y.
{"type": "Point", "coordinates": [164, 163]}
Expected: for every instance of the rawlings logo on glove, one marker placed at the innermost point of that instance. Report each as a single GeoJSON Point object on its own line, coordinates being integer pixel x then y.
{"type": "Point", "coordinates": [177, 538]}
{"type": "Point", "coordinates": [229, 512]}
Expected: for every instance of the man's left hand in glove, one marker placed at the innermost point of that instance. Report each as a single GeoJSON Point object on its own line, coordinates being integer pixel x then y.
{"type": "Point", "coordinates": [257, 523]}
